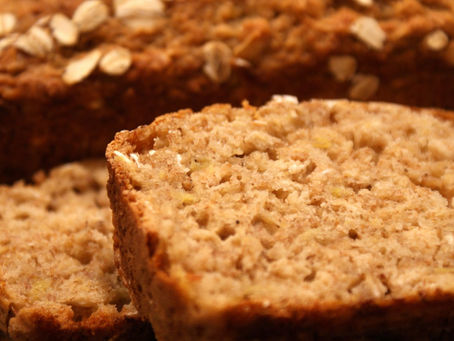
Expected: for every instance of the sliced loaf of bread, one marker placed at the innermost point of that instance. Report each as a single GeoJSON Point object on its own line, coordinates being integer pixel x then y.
{"type": "Point", "coordinates": [57, 274]}
{"type": "Point", "coordinates": [291, 221]}
{"type": "Point", "coordinates": [88, 68]}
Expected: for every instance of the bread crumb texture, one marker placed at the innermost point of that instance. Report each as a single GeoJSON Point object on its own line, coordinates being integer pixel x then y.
{"type": "Point", "coordinates": [57, 274]}
{"type": "Point", "coordinates": [296, 206]}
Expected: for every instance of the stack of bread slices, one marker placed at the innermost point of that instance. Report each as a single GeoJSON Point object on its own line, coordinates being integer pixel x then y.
{"type": "Point", "coordinates": [273, 217]}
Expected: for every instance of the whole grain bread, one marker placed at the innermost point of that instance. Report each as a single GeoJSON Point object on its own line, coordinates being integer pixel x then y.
{"type": "Point", "coordinates": [292, 221]}
{"type": "Point", "coordinates": [57, 275]}
{"type": "Point", "coordinates": [73, 70]}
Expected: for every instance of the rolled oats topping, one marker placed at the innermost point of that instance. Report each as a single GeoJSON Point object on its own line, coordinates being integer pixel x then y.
{"type": "Point", "coordinates": [116, 62]}
{"type": "Point", "coordinates": [43, 21]}
{"type": "Point", "coordinates": [8, 22]}
{"type": "Point", "coordinates": [36, 42]}
{"type": "Point", "coordinates": [365, 3]}
{"type": "Point", "coordinates": [343, 68]}
{"type": "Point", "coordinates": [218, 58]}
{"type": "Point", "coordinates": [64, 30]}
{"type": "Point", "coordinates": [79, 69]}
{"type": "Point", "coordinates": [138, 8]}
{"type": "Point", "coordinates": [139, 14]}
{"type": "Point", "coordinates": [364, 87]}
{"type": "Point", "coordinates": [437, 40]}
{"type": "Point", "coordinates": [241, 62]}
{"type": "Point", "coordinates": [369, 31]}
{"type": "Point", "coordinates": [90, 14]}
{"type": "Point", "coordinates": [8, 41]}
{"type": "Point", "coordinates": [285, 98]}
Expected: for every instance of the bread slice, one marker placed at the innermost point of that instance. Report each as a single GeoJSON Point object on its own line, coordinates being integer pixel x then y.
{"type": "Point", "coordinates": [115, 64]}
{"type": "Point", "coordinates": [57, 275]}
{"type": "Point", "coordinates": [291, 221]}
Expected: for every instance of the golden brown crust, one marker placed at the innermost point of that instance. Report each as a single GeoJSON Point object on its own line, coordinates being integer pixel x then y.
{"type": "Point", "coordinates": [275, 47]}
{"type": "Point", "coordinates": [59, 325]}
{"type": "Point", "coordinates": [143, 267]}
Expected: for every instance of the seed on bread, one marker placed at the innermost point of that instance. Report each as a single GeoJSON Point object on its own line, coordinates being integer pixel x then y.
{"type": "Point", "coordinates": [437, 40]}
{"type": "Point", "coordinates": [8, 41]}
{"type": "Point", "coordinates": [139, 14]}
{"type": "Point", "coordinates": [218, 58]}
{"type": "Point", "coordinates": [368, 30]}
{"type": "Point", "coordinates": [79, 69]}
{"type": "Point", "coordinates": [365, 3]}
{"type": "Point", "coordinates": [7, 23]}
{"type": "Point", "coordinates": [285, 98]}
{"type": "Point", "coordinates": [90, 14]}
{"type": "Point", "coordinates": [122, 156]}
{"type": "Point", "coordinates": [364, 87]}
{"type": "Point", "coordinates": [36, 42]}
{"type": "Point", "coordinates": [64, 30]}
{"type": "Point", "coordinates": [116, 62]}
{"type": "Point", "coordinates": [43, 21]}
{"type": "Point", "coordinates": [138, 8]}
{"type": "Point", "coordinates": [241, 63]}
{"type": "Point", "coordinates": [343, 68]}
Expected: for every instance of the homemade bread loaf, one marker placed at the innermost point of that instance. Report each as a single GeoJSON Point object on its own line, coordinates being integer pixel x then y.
{"type": "Point", "coordinates": [57, 275]}
{"type": "Point", "coordinates": [291, 221]}
{"type": "Point", "coordinates": [73, 70]}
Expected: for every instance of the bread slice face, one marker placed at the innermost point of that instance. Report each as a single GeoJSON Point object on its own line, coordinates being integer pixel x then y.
{"type": "Point", "coordinates": [58, 279]}
{"type": "Point", "coordinates": [318, 219]}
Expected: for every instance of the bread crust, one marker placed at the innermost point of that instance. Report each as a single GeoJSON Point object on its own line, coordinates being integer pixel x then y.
{"type": "Point", "coordinates": [141, 258]}
{"type": "Point", "coordinates": [58, 325]}
{"type": "Point", "coordinates": [276, 47]}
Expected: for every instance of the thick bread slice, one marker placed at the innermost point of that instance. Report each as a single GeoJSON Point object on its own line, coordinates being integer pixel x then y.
{"type": "Point", "coordinates": [314, 220]}
{"type": "Point", "coordinates": [57, 275]}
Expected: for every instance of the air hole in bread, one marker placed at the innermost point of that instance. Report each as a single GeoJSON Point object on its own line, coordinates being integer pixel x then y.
{"type": "Point", "coordinates": [267, 242]}
{"type": "Point", "coordinates": [152, 244]}
{"type": "Point", "coordinates": [302, 176]}
{"type": "Point", "coordinates": [265, 221]}
{"type": "Point", "coordinates": [356, 282]}
{"type": "Point", "coordinates": [225, 178]}
{"type": "Point", "coordinates": [352, 234]}
{"type": "Point", "coordinates": [225, 232]}
{"type": "Point", "coordinates": [77, 190]}
{"type": "Point", "coordinates": [187, 184]}
{"type": "Point", "coordinates": [281, 194]}
{"type": "Point", "coordinates": [120, 298]}
{"type": "Point", "coordinates": [272, 154]}
{"type": "Point", "coordinates": [81, 253]}
{"type": "Point", "coordinates": [311, 276]}
{"type": "Point", "coordinates": [332, 117]}
{"type": "Point", "coordinates": [81, 313]}
{"type": "Point", "coordinates": [51, 207]}
{"type": "Point", "coordinates": [203, 219]}
{"type": "Point", "coordinates": [410, 131]}
{"type": "Point", "coordinates": [22, 216]}
{"type": "Point", "coordinates": [137, 186]}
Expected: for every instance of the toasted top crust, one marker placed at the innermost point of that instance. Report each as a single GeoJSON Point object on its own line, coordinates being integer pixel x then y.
{"type": "Point", "coordinates": [57, 274]}
{"type": "Point", "coordinates": [206, 40]}
{"type": "Point", "coordinates": [290, 207]}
